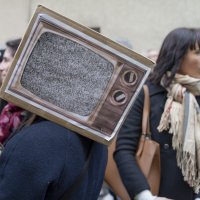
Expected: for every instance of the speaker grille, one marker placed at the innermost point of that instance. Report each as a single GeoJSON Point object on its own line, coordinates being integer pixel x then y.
{"type": "Point", "coordinates": [66, 74]}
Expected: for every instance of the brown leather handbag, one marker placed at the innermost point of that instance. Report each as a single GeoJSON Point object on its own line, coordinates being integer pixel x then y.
{"type": "Point", "coordinates": [148, 153]}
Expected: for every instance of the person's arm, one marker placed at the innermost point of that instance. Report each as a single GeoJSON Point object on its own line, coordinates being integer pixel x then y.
{"type": "Point", "coordinates": [26, 167]}
{"type": "Point", "coordinates": [126, 147]}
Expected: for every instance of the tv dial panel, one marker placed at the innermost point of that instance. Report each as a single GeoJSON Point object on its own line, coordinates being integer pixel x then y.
{"type": "Point", "coordinates": [119, 97]}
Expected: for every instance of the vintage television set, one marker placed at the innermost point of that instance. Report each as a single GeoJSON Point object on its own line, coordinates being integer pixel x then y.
{"type": "Point", "coordinates": [74, 76]}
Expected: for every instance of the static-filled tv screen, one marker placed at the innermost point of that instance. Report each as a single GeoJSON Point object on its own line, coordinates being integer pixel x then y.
{"type": "Point", "coordinates": [57, 63]}
{"type": "Point", "coordinates": [74, 76]}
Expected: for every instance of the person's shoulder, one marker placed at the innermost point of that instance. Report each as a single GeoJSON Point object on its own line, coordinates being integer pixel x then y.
{"type": "Point", "coordinates": [46, 135]}
{"type": "Point", "coordinates": [42, 136]}
{"type": "Point", "coordinates": [43, 129]}
{"type": "Point", "coordinates": [46, 126]}
{"type": "Point", "coordinates": [155, 88]}
{"type": "Point", "coordinates": [38, 144]}
{"type": "Point", "coordinates": [46, 132]}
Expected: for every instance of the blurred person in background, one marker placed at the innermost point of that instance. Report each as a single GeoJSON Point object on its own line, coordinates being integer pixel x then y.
{"type": "Point", "coordinates": [174, 88]}
{"type": "Point", "coordinates": [8, 56]}
{"type": "Point", "coordinates": [125, 42]}
{"type": "Point", "coordinates": [11, 116]}
{"type": "Point", "coordinates": [152, 54]}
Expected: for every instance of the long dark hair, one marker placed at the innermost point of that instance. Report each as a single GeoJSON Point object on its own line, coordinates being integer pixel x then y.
{"type": "Point", "coordinates": [13, 45]}
{"type": "Point", "coordinates": [173, 50]}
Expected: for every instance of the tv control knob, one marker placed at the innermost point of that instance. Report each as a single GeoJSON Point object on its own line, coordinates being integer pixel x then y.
{"type": "Point", "coordinates": [119, 97]}
{"type": "Point", "coordinates": [130, 78]}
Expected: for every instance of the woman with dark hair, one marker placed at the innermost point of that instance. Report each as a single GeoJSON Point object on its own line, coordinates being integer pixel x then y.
{"type": "Point", "coordinates": [174, 88]}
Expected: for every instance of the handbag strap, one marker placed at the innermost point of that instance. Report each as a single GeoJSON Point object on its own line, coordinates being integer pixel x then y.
{"type": "Point", "coordinates": [146, 111]}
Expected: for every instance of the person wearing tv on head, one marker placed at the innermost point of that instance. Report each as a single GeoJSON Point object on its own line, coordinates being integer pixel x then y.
{"type": "Point", "coordinates": [174, 88]}
{"type": "Point", "coordinates": [42, 160]}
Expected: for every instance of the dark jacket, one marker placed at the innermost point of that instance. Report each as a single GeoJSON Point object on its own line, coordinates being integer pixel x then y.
{"type": "Point", "coordinates": [43, 160]}
{"type": "Point", "coordinates": [172, 184]}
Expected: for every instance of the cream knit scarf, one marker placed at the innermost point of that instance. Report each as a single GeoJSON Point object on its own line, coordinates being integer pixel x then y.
{"type": "Point", "coordinates": [181, 117]}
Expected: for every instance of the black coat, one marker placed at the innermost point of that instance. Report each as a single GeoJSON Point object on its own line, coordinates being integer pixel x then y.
{"type": "Point", "coordinates": [45, 159]}
{"type": "Point", "coordinates": [172, 184]}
